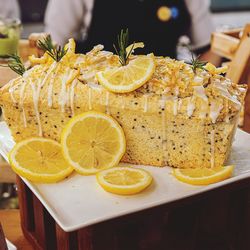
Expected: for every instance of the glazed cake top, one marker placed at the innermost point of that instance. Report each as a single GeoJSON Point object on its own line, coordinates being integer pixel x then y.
{"type": "Point", "coordinates": [172, 79]}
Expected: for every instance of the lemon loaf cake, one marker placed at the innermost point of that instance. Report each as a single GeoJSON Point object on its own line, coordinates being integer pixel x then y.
{"type": "Point", "coordinates": [180, 117]}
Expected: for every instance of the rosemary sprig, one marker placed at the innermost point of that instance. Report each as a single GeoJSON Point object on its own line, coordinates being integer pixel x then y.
{"type": "Point", "coordinates": [54, 51]}
{"type": "Point", "coordinates": [196, 63]}
{"type": "Point", "coordinates": [122, 43]}
{"type": "Point", "coordinates": [15, 63]}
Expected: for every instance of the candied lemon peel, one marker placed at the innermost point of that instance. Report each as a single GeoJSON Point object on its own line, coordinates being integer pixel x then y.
{"type": "Point", "coordinates": [133, 46]}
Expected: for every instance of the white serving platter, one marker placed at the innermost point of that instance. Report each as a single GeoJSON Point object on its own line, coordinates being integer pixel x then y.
{"type": "Point", "coordinates": [79, 201]}
{"type": "Point", "coordinates": [10, 245]}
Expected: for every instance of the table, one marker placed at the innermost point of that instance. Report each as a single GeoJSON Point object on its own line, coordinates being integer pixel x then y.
{"type": "Point", "coordinates": [218, 219]}
{"type": "Point", "coordinates": [200, 223]}
{"type": "Point", "coordinates": [10, 220]}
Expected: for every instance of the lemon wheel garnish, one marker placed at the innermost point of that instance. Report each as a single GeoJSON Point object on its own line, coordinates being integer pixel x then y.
{"type": "Point", "coordinates": [124, 180]}
{"type": "Point", "coordinates": [203, 176]}
{"type": "Point", "coordinates": [127, 78]}
{"type": "Point", "coordinates": [93, 141]}
{"type": "Point", "coordinates": [39, 160]}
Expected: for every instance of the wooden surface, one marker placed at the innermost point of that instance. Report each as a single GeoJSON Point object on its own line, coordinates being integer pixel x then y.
{"type": "Point", "coordinates": [6, 75]}
{"type": "Point", "coordinates": [235, 45]}
{"type": "Point", "coordinates": [239, 64]}
{"type": "Point", "coordinates": [215, 220]}
{"type": "Point", "coordinates": [224, 44]}
{"type": "Point", "coordinates": [10, 220]}
{"type": "Point", "coordinates": [3, 243]}
{"type": "Point", "coordinates": [25, 50]}
{"type": "Point", "coordinates": [7, 175]}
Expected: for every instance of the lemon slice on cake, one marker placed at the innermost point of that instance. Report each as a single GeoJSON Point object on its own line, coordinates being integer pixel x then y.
{"type": "Point", "coordinates": [39, 160]}
{"type": "Point", "coordinates": [127, 78]}
{"type": "Point", "coordinates": [93, 141]}
{"type": "Point", "coordinates": [203, 176]}
{"type": "Point", "coordinates": [124, 180]}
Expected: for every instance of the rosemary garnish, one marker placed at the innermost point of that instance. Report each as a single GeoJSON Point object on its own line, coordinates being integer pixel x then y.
{"type": "Point", "coordinates": [196, 63]}
{"type": "Point", "coordinates": [54, 51]}
{"type": "Point", "coordinates": [15, 63]}
{"type": "Point", "coordinates": [122, 43]}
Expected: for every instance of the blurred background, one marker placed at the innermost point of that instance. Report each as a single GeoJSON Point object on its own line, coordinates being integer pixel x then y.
{"type": "Point", "coordinates": [226, 14]}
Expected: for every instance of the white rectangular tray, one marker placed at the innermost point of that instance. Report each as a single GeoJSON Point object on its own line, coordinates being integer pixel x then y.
{"type": "Point", "coordinates": [79, 201]}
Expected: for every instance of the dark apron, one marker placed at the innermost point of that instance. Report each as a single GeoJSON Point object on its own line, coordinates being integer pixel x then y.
{"type": "Point", "coordinates": [140, 17]}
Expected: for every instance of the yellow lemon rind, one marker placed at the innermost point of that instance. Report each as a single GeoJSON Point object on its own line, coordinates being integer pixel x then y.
{"type": "Point", "coordinates": [124, 190]}
{"type": "Point", "coordinates": [130, 87]}
{"type": "Point", "coordinates": [66, 131]}
{"type": "Point", "coordinates": [31, 176]}
{"type": "Point", "coordinates": [206, 180]}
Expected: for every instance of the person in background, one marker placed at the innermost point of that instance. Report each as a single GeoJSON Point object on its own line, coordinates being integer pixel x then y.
{"type": "Point", "coordinates": [158, 23]}
{"type": "Point", "coordinates": [9, 9]}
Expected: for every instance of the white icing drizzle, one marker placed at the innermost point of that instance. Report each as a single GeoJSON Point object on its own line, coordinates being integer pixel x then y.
{"type": "Point", "coordinates": [175, 106]}
{"type": "Point", "coordinates": [176, 91]}
{"type": "Point", "coordinates": [190, 107]}
{"type": "Point", "coordinates": [203, 111]}
{"type": "Point", "coordinates": [215, 109]}
{"type": "Point", "coordinates": [90, 98]}
{"type": "Point", "coordinates": [50, 95]}
{"type": "Point", "coordinates": [22, 89]}
{"type": "Point", "coordinates": [222, 87]}
{"type": "Point", "coordinates": [52, 67]}
{"type": "Point", "coordinates": [107, 103]}
{"type": "Point", "coordinates": [198, 80]}
{"type": "Point", "coordinates": [12, 89]}
{"type": "Point", "coordinates": [80, 59]}
{"type": "Point", "coordinates": [227, 115]}
{"type": "Point", "coordinates": [95, 86]}
{"type": "Point", "coordinates": [36, 94]}
{"type": "Point", "coordinates": [164, 132]}
{"type": "Point", "coordinates": [63, 93]}
{"type": "Point", "coordinates": [88, 76]}
{"type": "Point", "coordinates": [241, 89]}
{"type": "Point", "coordinates": [162, 102]}
{"type": "Point", "coordinates": [50, 87]}
{"type": "Point", "coordinates": [72, 96]}
{"type": "Point", "coordinates": [145, 108]}
{"type": "Point", "coordinates": [212, 149]}
{"type": "Point", "coordinates": [199, 91]}
{"type": "Point", "coordinates": [179, 104]}
{"type": "Point", "coordinates": [164, 138]}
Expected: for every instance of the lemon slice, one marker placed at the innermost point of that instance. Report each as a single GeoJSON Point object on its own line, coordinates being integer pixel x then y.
{"type": "Point", "coordinates": [93, 141]}
{"type": "Point", "coordinates": [39, 160]}
{"type": "Point", "coordinates": [129, 77]}
{"type": "Point", "coordinates": [203, 176]}
{"type": "Point", "coordinates": [124, 180]}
